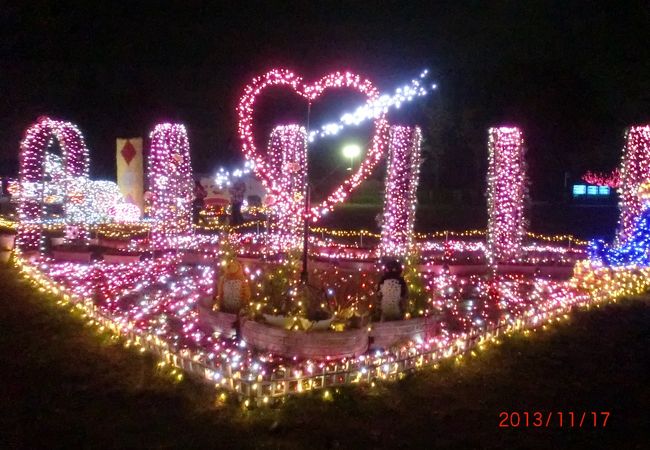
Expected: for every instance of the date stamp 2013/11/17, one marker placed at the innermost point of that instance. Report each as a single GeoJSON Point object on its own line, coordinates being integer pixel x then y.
{"type": "Point", "coordinates": [557, 419]}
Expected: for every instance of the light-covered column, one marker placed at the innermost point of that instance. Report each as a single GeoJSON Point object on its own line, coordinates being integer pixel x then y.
{"type": "Point", "coordinates": [402, 176]}
{"type": "Point", "coordinates": [507, 190]}
{"type": "Point", "coordinates": [635, 170]}
{"type": "Point", "coordinates": [287, 152]}
{"type": "Point", "coordinates": [170, 182]}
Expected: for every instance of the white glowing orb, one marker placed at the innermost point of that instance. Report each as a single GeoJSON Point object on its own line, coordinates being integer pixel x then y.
{"type": "Point", "coordinates": [351, 151]}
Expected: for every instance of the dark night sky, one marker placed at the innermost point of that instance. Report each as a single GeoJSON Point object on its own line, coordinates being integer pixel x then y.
{"type": "Point", "coordinates": [573, 74]}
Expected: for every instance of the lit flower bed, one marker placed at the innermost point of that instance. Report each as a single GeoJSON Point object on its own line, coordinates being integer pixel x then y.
{"type": "Point", "coordinates": [153, 304]}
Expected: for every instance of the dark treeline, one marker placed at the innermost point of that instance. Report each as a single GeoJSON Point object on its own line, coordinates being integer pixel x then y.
{"type": "Point", "coordinates": [572, 74]}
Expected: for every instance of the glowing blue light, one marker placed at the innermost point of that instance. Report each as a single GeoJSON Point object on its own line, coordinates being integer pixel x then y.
{"type": "Point", "coordinates": [635, 250]}
{"type": "Point", "coordinates": [579, 189]}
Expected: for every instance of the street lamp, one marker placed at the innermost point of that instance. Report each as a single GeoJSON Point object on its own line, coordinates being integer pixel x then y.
{"type": "Point", "coordinates": [351, 151]}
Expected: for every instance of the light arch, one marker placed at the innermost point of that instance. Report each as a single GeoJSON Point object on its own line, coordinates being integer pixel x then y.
{"type": "Point", "coordinates": [31, 175]}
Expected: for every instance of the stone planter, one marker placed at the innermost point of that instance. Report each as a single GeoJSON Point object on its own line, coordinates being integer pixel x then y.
{"type": "Point", "coordinates": [57, 241]}
{"type": "Point", "coordinates": [191, 257]}
{"type": "Point", "coordinates": [306, 324]}
{"type": "Point", "coordinates": [216, 321]}
{"type": "Point", "coordinates": [7, 241]}
{"type": "Point", "coordinates": [121, 259]}
{"type": "Point", "coordinates": [112, 243]}
{"type": "Point", "coordinates": [305, 344]}
{"type": "Point", "coordinates": [387, 334]}
{"type": "Point", "coordinates": [279, 321]}
{"type": "Point", "coordinates": [557, 271]}
{"type": "Point", "coordinates": [348, 266]}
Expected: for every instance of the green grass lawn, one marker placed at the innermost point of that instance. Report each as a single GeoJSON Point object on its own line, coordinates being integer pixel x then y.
{"type": "Point", "coordinates": [64, 386]}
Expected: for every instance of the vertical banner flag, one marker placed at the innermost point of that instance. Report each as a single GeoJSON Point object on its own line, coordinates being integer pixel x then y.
{"type": "Point", "coordinates": [130, 173]}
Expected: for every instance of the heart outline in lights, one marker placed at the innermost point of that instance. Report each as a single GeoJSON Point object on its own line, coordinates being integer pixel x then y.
{"type": "Point", "coordinates": [311, 92]}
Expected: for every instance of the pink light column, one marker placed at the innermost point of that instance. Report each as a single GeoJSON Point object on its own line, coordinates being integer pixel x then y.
{"type": "Point", "coordinates": [31, 173]}
{"type": "Point", "coordinates": [170, 182]}
{"type": "Point", "coordinates": [507, 190]}
{"type": "Point", "coordinates": [635, 170]}
{"type": "Point", "coordinates": [403, 173]}
{"type": "Point", "coordinates": [287, 154]}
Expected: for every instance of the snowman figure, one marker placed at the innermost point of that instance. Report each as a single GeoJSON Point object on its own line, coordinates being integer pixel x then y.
{"type": "Point", "coordinates": [392, 292]}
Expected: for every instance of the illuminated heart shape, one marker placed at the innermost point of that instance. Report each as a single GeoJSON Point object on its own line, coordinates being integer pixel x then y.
{"type": "Point", "coordinates": [311, 92]}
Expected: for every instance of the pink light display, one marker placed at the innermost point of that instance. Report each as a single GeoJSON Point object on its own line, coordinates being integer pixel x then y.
{"type": "Point", "coordinates": [613, 179]}
{"type": "Point", "coordinates": [126, 212]}
{"type": "Point", "coordinates": [507, 190]}
{"type": "Point", "coordinates": [287, 152]}
{"type": "Point", "coordinates": [170, 182]}
{"type": "Point", "coordinates": [403, 173]}
{"type": "Point", "coordinates": [635, 170]}
{"type": "Point", "coordinates": [31, 173]}
{"type": "Point", "coordinates": [282, 77]}
{"type": "Point", "coordinates": [152, 304]}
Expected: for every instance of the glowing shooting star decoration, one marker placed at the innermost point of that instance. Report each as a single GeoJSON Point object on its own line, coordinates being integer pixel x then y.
{"type": "Point", "coordinates": [376, 107]}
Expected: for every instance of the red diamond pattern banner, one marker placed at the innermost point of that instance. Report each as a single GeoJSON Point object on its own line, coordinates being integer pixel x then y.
{"type": "Point", "coordinates": [130, 172]}
{"type": "Point", "coordinates": [128, 152]}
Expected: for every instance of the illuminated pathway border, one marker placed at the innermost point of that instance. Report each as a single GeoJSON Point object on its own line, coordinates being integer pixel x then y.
{"type": "Point", "coordinates": [605, 284]}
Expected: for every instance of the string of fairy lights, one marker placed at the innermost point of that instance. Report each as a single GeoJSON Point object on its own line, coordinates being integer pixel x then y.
{"type": "Point", "coordinates": [129, 230]}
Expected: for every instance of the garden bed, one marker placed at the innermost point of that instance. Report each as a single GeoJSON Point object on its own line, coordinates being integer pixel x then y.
{"type": "Point", "coordinates": [305, 344]}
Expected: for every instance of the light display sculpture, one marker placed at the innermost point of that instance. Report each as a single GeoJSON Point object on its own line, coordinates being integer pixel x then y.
{"type": "Point", "coordinates": [506, 190]}
{"type": "Point", "coordinates": [311, 92]}
{"type": "Point", "coordinates": [287, 153]}
{"type": "Point", "coordinates": [74, 154]}
{"type": "Point", "coordinates": [635, 170]}
{"type": "Point", "coordinates": [403, 172]}
{"type": "Point", "coordinates": [634, 250]}
{"type": "Point", "coordinates": [170, 182]}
